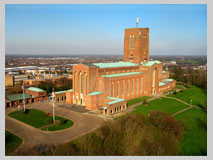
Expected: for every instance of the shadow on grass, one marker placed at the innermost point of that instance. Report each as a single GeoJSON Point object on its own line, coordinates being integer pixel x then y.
{"type": "Point", "coordinates": [202, 124]}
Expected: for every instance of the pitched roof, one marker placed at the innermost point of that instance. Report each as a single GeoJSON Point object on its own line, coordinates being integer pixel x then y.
{"type": "Point", "coordinates": [150, 63]}
{"type": "Point", "coordinates": [121, 74]}
{"type": "Point", "coordinates": [15, 97]}
{"type": "Point", "coordinates": [35, 89]}
{"type": "Point", "coordinates": [115, 64]}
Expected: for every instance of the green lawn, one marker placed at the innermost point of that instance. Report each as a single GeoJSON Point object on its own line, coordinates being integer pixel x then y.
{"type": "Point", "coordinates": [12, 142]}
{"type": "Point", "coordinates": [195, 134]}
{"type": "Point", "coordinates": [179, 87]}
{"type": "Point", "coordinates": [137, 100]}
{"type": "Point", "coordinates": [58, 127]}
{"type": "Point", "coordinates": [164, 104]}
{"type": "Point", "coordinates": [38, 119]}
{"type": "Point", "coordinates": [198, 96]}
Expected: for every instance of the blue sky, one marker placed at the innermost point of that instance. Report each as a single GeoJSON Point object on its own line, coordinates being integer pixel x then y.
{"type": "Point", "coordinates": [68, 29]}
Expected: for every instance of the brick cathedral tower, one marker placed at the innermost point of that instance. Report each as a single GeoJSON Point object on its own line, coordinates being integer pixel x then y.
{"type": "Point", "coordinates": [136, 45]}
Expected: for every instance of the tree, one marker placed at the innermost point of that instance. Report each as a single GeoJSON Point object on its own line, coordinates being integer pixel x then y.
{"type": "Point", "coordinates": [133, 134]}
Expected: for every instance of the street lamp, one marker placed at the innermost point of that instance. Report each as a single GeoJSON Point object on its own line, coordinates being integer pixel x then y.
{"type": "Point", "coordinates": [53, 97]}
{"type": "Point", "coordinates": [190, 102]}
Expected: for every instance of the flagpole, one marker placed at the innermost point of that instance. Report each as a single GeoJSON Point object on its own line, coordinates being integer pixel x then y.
{"type": "Point", "coordinates": [137, 22]}
{"type": "Point", "coordinates": [53, 96]}
{"type": "Point", "coordinates": [23, 96]}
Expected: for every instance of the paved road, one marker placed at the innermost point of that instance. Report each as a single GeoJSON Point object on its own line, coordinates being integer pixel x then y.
{"type": "Point", "coordinates": [32, 136]}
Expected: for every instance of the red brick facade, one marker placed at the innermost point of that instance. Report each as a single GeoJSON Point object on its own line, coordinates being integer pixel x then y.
{"type": "Point", "coordinates": [136, 76]}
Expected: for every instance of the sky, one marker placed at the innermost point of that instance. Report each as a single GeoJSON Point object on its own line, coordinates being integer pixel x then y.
{"type": "Point", "coordinates": [98, 29]}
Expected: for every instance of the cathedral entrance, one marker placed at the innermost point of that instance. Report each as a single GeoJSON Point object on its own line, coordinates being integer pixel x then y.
{"type": "Point", "coordinates": [153, 92]}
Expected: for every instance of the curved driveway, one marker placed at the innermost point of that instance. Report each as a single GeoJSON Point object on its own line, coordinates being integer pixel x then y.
{"type": "Point", "coordinates": [82, 124]}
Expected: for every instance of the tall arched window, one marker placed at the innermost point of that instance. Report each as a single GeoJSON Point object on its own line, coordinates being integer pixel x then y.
{"type": "Point", "coordinates": [112, 90]}
{"type": "Point", "coordinates": [117, 89]}
{"type": "Point", "coordinates": [85, 79]}
{"type": "Point", "coordinates": [81, 90]}
{"type": "Point", "coordinates": [153, 80]}
{"type": "Point", "coordinates": [128, 87]}
{"type": "Point", "coordinates": [123, 89]}
{"type": "Point", "coordinates": [133, 41]}
{"type": "Point", "coordinates": [130, 41]}
{"type": "Point", "coordinates": [76, 82]}
{"type": "Point", "coordinates": [133, 84]}
{"type": "Point", "coordinates": [137, 85]}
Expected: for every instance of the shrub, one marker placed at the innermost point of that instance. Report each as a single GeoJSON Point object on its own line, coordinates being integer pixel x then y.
{"type": "Point", "coordinates": [134, 134]}
{"type": "Point", "coordinates": [145, 102]}
{"type": "Point", "coordinates": [26, 111]}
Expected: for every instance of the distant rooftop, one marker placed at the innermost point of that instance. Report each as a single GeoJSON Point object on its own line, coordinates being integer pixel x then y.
{"type": "Point", "coordinates": [121, 74]}
{"type": "Point", "coordinates": [150, 63]}
{"type": "Point", "coordinates": [35, 89]}
{"type": "Point", "coordinates": [115, 64]}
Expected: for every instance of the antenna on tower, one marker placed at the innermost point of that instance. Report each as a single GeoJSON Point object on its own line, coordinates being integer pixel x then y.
{"type": "Point", "coordinates": [137, 22]}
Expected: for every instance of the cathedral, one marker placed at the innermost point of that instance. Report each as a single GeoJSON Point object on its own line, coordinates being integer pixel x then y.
{"type": "Point", "coordinates": [108, 86]}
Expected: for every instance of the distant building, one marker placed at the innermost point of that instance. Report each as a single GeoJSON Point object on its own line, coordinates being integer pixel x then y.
{"type": "Point", "coordinates": [17, 99]}
{"type": "Point", "coordinates": [36, 94]}
{"type": "Point", "coordinates": [170, 63]}
{"type": "Point", "coordinates": [33, 82]}
{"type": "Point", "coordinates": [108, 86]}
{"type": "Point", "coordinates": [8, 81]}
{"type": "Point", "coordinates": [17, 79]}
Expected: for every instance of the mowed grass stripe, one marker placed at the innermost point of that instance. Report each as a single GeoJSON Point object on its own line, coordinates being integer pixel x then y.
{"type": "Point", "coordinates": [169, 106]}
{"type": "Point", "coordinates": [194, 140]}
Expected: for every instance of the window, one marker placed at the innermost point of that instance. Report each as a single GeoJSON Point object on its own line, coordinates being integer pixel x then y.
{"type": "Point", "coordinates": [76, 82]}
{"type": "Point", "coordinates": [112, 90]}
{"type": "Point", "coordinates": [123, 89]}
{"type": "Point", "coordinates": [128, 87]}
{"type": "Point", "coordinates": [137, 85]}
{"type": "Point", "coordinates": [81, 83]}
{"type": "Point", "coordinates": [85, 84]}
{"type": "Point", "coordinates": [117, 89]}
{"type": "Point", "coordinates": [130, 41]}
{"type": "Point", "coordinates": [133, 83]}
{"type": "Point", "coordinates": [133, 41]}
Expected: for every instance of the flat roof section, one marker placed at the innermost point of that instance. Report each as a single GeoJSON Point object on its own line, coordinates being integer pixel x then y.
{"type": "Point", "coordinates": [116, 100]}
{"type": "Point", "coordinates": [95, 93]}
{"type": "Point", "coordinates": [16, 97]}
{"type": "Point", "coordinates": [115, 64]}
{"type": "Point", "coordinates": [162, 84]}
{"type": "Point", "coordinates": [121, 74]}
{"type": "Point", "coordinates": [60, 92]}
{"type": "Point", "coordinates": [35, 89]}
{"type": "Point", "coordinates": [168, 80]}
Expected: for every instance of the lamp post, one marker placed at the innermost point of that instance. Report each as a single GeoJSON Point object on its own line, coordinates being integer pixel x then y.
{"type": "Point", "coordinates": [23, 96]}
{"type": "Point", "coordinates": [53, 97]}
{"type": "Point", "coordinates": [190, 102]}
